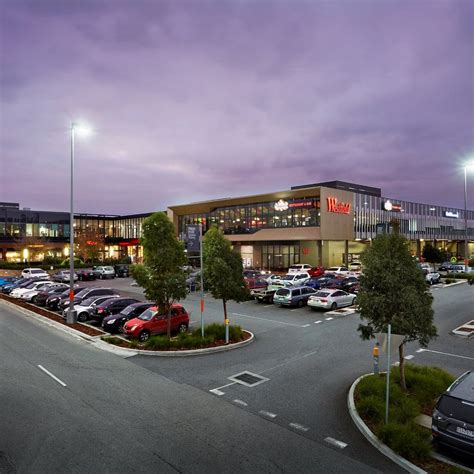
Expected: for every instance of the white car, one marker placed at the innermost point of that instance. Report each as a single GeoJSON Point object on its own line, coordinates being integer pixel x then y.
{"type": "Point", "coordinates": [30, 294]}
{"type": "Point", "coordinates": [293, 279]}
{"type": "Point", "coordinates": [104, 271]}
{"type": "Point", "coordinates": [34, 273]}
{"type": "Point", "coordinates": [432, 278]}
{"type": "Point", "coordinates": [338, 270]}
{"type": "Point", "coordinates": [331, 299]}
{"type": "Point", "coordinates": [34, 285]}
{"type": "Point", "coordinates": [272, 279]}
{"type": "Point", "coordinates": [300, 267]}
{"type": "Point", "coordinates": [355, 266]}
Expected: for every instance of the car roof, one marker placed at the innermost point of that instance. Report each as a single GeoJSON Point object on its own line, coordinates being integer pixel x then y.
{"type": "Point", "coordinates": [463, 387]}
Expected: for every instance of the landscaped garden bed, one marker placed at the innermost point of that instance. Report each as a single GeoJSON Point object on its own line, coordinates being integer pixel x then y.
{"type": "Point", "coordinates": [214, 337]}
{"type": "Point", "coordinates": [402, 434]}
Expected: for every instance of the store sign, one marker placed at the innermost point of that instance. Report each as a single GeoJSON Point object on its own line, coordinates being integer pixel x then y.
{"type": "Point", "coordinates": [129, 243]}
{"type": "Point", "coordinates": [301, 204]}
{"type": "Point", "coordinates": [281, 205]}
{"type": "Point", "coordinates": [390, 206]}
{"type": "Point", "coordinates": [338, 207]}
{"type": "Point", "coordinates": [192, 238]}
{"type": "Point", "coordinates": [453, 215]}
{"type": "Point", "coordinates": [91, 242]}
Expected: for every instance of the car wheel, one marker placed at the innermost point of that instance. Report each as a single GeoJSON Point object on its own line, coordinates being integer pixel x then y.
{"type": "Point", "coordinates": [120, 327]}
{"type": "Point", "coordinates": [183, 328]}
{"type": "Point", "coordinates": [300, 303]}
{"type": "Point", "coordinates": [34, 299]}
{"type": "Point", "coordinates": [101, 277]}
{"type": "Point", "coordinates": [144, 336]}
{"type": "Point", "coordinates": [354, 301]}
{"type": "Point", "coordinates": [82, 317]}
{"type": "Point", "coordinates": [334, 306]}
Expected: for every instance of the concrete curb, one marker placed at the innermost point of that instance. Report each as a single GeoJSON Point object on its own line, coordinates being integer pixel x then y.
{"type": "Point", "coordinates": [123, 351]}
{"type": "Point", "coordinates": [48, 322]}
{"type": "Point", "coordinates": [363, 428]}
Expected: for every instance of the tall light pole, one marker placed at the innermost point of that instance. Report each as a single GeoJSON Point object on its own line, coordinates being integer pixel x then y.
{"type": "Point", "coordinates": [467, 166]}
{"type": "Point", "coordinates": [71, 314]}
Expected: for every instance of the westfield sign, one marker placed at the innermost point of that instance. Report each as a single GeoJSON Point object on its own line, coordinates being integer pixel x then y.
{"type": "Point", "coordinates": [338, 207]}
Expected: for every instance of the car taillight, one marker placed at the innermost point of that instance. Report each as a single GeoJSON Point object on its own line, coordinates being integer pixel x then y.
{"type": "Point", "coordinates": [100, 310]}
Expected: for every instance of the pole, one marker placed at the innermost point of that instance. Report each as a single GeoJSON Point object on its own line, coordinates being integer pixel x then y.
{"type": "Point", "coordinates": [387, 391]}
{"type": "Point", "coordinates": [375, 353]}
{"type": "Point", "coordinates": [202, 281]}
{"type": "Point", "coordinates": [465, 221]}
{"type": "Point", "coordinates": [71, 316]}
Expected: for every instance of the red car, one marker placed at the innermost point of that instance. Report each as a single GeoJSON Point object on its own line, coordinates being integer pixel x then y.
{"type": "Point", "coordinates": [150, 323]}
{"type": "Point", "coordinates": [254, 283]}
{"type": "Point", "coordinates": [316, 272]}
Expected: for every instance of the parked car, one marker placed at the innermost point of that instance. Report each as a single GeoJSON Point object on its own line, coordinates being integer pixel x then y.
{"type": "Point", "coordinates": [44, 294]}
{"type": "Point", "coordinates": [297, 296]}
{"type": "Point", "coordinates": [110, 306]}
{"type": "Point", "coordinates": [253, 283]}
{"type": "Point", "coordinates": [426, 267]}
{"type": "Point", "coordinates": [34, 273]}
{"type": "Point", "coordinates": [8, 287]}
{"type": "Point", "coordinates": [326, 279]}
{"type": "Point", "coordinates": [331, 299]}
{"type": "Point", "coordinates": [458, 268]}
{"type": "Point", "coordinates": [63, 276]}
{"type": "Point", "coordinates": [445, 266]}
{"type": "Point", "coordinates": [103, 271]}
{"type": "Point", "coordinates": [115, 322]}
{"type": "Point", "coordinates": [31, 294]}
{"type": "Point", "coordinates": [85, 274]}
{"type": "Point", "coordinates": [316, 272]}
{"type": "Point", "coordinates": [79, 296]}
{"type": "Point", "coordinates": [433, 278]}
{"type": "Point", "coordinates": [53, 301]}
{"type": "Point", "coordinates": [250, 273]}
{"type": "Point", "coordinates": [295, 279]}
{"type": "Point", "coordinates": [150, 322]}
{"type": "Point", "coordinates": [121, 270]}
{"type": "Point", "coordinates": [352, 287]}
{"type": "Point", "coordinates": [272, 278]}
{"type": "Point", "coordinates": [35, 284]}
{"type": "Point", "coordinates": [300, 267]}
{"type": "Point", "coordinates": [338, 270]}
{"type": "Point", "coordinates": [314, 283]}
{"type": "Point", "coordinates": [265, 295]}
{"type": "Point", "coordinates": [354, 267]}
{"type": "Point", "coordinates": [7, 280]}
{"type": "Point", "coordinates": [87, 307]}
{"type": "Point", "coordinates": [453, 418]}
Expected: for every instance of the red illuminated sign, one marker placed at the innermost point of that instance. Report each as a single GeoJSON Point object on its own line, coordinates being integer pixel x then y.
{"type": "Point", "coordinates": [338, 207]}
{"type": "Point", "coordinates": [91, 242]}
{"type": "Point", "coordinates": [299, 204]}
{"type": "Point", "coordinates": [130, 243]}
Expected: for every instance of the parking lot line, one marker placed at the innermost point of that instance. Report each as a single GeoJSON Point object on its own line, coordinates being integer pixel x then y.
{"type": "Point", "coordinates": [299, 427]}
{"type": "Point", "coordinates": [328, 319]}
{"type": "Point", "coordinates": [241, 403]}
{"type": "Point", "coordinates": [335, 442]}
{"type": "Point", "coordinates": [52, 375]}
{"type": "Point", "coordinates": [264, 319]}
{"type": "Point", "coordinates": [446, 353]}
{"type": "Point", "coordinates": [318, 322]}
{"type": "Point", "coordinates": [268, 414]}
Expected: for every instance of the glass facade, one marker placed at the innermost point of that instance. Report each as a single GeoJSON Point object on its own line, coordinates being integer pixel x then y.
{"type": "Point", "coordinates": [247, 219]}
{"type": "Point", "coordinates": [278, 256]}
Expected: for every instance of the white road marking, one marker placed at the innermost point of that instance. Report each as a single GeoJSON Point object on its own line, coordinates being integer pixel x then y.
{"type": "Point", "coordinates": [217, 392]}
{"type": "Point", "coordinates": [268, 305]}
{"type": "Point", "coordinates": [299, 427]}
{"type": "Point", "coordinates": [446, 353]}
{"type": "Point", "coordinates": [268, 320]}
{"type": "Point", "coordinates": [335, 442]}
{"type": "Point", "coordinates": [409, 357]}
{"type": "Point", "coordinates": [268, 414]}
{"type": "Point", "coordinates": [52, 376]}
{"type": "Point", "coordinates": [241, 403]}
{"type": "Point", "coordinates": [317, 322]}
{"type": "Point", "coordinates": [306, 325]}
{"type": "Point", "coordinates": [293, 309]}
{"type": "Point", "coordinates": [328, 319]}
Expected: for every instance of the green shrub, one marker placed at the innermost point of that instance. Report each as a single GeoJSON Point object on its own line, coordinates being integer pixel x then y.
{"type": "Point", "coordinates": [372, 407]}
{"type": "Point", "coordinates": [133, 344]}
{"type": "Point", "coordinates": [182, 341]}
{"type": "Point", "coordinates": [158, 343]}
{"type": "Point", "coordinates": [403, 409]}
{"type": "Point", "coordinates": [409, 440]}
{"type": "Point", "coordinates": [372, 385]}
{"type": "Point", "coordinates": [112, 339]}
{"type": "Point", "coordinates": [217, 331]}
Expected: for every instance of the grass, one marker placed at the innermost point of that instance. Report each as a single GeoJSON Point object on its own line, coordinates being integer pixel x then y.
{"type": "Point", "coordinates": [402, 434]}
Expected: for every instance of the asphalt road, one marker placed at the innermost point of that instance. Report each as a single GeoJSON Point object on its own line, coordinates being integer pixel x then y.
{"type": "Point", "coordinates": [302, 406]}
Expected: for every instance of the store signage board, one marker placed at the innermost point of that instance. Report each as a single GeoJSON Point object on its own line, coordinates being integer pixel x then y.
{"type": "Point", "coordinates": [192, 238]}
{"type": "Point", "coordinates": [338, 207]}
{"type": "Point", "coordinates": [451, 214]}
{"type": "Point", "coordinates": [301, 204]}
{"type": "Point", "coordinates": [391, 207]}
{"type": "Point", "coordinates": [281, 205]}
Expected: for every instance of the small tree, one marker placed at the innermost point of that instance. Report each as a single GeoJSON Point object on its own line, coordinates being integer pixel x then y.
{"type": "Point", "coordinates": [432, 254]}
{"type": "Point", "coordinates": [163, 255]}
{"type": "Point", "coordinates": [89, 243]}
{"type": "Point", "coordinates": [394, 291]}
{"type": "Point", "coordinates": [223, 270]}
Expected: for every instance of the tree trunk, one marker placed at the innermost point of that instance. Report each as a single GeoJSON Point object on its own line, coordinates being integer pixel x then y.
{"type": "Point", "coordinates": [402, 366]}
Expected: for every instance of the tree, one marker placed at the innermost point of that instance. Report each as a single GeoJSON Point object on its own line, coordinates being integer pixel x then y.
{"type": "Point", "coordinates": [432, 254]}
{"type": "Point", "coordinates": [89, 243]}
{"type": "Point", "coordinates": [394, 291]}
{"type": "Point", "coordinates": [161, 274]}
{"type": "Point", "coordinates": [223, 275]}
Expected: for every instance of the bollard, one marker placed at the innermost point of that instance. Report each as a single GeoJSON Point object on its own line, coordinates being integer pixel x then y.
{"type": "Point", "coordinates": [375, 353]}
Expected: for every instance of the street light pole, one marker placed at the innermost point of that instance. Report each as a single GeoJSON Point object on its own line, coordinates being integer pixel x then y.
{"type": "Point", "coordinates": [465, 221]}
{"type": "Point", "coordinates": [71, 314]}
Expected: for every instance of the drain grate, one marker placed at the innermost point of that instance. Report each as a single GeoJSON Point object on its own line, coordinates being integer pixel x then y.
{"type": "Point", "coordinates": [248, 379]}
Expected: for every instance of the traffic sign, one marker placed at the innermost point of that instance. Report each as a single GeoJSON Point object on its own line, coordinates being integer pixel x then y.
{"type": "Point", "coordinates": [395, 341]}
{"type": "Point", "coordinates": [454, 260]}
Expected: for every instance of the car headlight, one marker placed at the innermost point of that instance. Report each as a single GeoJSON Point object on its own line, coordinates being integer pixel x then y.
{"type": "Point", "coordinates": [134, 327]}
{"type": "Point", "coordinates": [111, 321]}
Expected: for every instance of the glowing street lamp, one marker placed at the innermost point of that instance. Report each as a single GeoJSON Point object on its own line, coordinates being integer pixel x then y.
{"type": "Point", "coordinates": [71, 314]}
{"type": "Point", "coordinates": [467, 166]}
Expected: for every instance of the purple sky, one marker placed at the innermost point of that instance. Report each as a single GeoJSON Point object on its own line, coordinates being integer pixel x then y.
{"type": "Point", "coordinates": [200, 100]}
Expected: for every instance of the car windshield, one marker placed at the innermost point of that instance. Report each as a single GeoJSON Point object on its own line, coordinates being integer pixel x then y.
{"type": "Point", "coordinates": [109, 269]}
{"type": "Point", "coordinates": [333, 269]}
{"type": "Point", "coordinates": [283, 292]}
{"type": "Point", "coordinates": [82, 292]}
{"type": "Point", "coordinates": [288, 277]}
{"type": "Point", "coordinates": [126, 311]}
{"type": "Point", "coordinates": [322, 293]}
{"type": "Point", "coordinates": [148, 314]}
{"type": "Point", "coordinates": [89, 301]}
{"type": "Point", "coordinates": [456, 408]}
{"type": "Point", "coordinates": [37, 271]}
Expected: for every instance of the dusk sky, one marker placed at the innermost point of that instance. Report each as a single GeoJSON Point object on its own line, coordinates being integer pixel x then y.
{"type": "Point", "coordinates": [197, 100]}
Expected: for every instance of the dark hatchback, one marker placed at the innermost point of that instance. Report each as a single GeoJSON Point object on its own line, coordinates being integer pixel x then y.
{"type": "Point", "coordinates": [121, 270]}
{"type": "Point", "coordinates": [42, 296]}
{"type": "Point", "coordinates": [109, 307]}
{"type": "Point", "coordinates": [453, 419]}
{"type": "Point", "coordinates": [84, 275]}
{"type": "Point", "coordinates": [85, 293]}
{"type": "Point", "coordinates": [115, 322]}
{"type": "Point", "coordinates": [52, 302]}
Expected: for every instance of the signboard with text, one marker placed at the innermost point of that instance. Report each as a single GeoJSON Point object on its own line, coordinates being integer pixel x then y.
{"type": "Point", "coordinates": [192, 238]}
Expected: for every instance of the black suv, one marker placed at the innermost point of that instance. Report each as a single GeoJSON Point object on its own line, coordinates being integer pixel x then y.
{"type": "Point", "coordinates": [109, 307]}
{"type": "Point", "coordinates": [453, 418]}
{"type": "Point", "coordinates": [86, 293]}
{"type": "Point", "coordinates": [121, 270]}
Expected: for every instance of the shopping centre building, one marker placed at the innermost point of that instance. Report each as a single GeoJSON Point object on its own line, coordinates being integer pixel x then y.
{"type": "Point", "coordinates": [325, 223]}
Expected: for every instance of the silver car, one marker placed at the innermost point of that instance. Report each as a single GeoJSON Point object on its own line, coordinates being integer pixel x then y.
{"type": "Point", "coordinates": [87, 306]}
{"type": "Point", "coordinates": [331, 299]}
{"type": "Point", "coordinates": [104, 271]}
